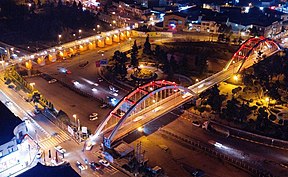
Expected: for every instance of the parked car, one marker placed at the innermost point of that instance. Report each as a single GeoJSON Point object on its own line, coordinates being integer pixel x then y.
{"type": "Point", "coordinates": [52, 81]}
{"type": "Point", "coordinates": [94, 114]}
{"type": "Point", "coordinates": [81, 166]}
{"type": "Point", "coordinates": [89, 146]}
{"type": "Point", "coordinates": [196, 123]}
{"type": "Point", "coordinates": [103, 106]}
{"type": "Point", "coordinates": [60, 149]}
{"type": "Point", "coordinates": [105, 163]}
{"type": "Point", "coordinates": [94, 90]}
{"type": "Point", "coordinates": [95, 166]}
{"type": "Point", "coordinates": [39, 154]}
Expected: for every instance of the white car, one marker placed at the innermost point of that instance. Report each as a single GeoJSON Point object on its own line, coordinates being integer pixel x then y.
{"type": "Point", "coordinates": [60, 149]}
{"type": "Point", "coordinates": [94, 90]}
{"type": "Point", "coordinates": [156, 109]}
{"type": "Point", "coordinates": [81, 166]}
{"type": "Point", "coordinates": [39, 154]}
{"type": "Point", "coordinates": [52, 81]}
{"type": "Point", "coordinates": [89, 146]}
{"type": "Point", "coordinates": [104, 163]}
{"type": "Point", "coordinates": [76, 83]}
{"type": "Point", "coordinates": [94, 114]}
{"type": "Point", "coordinates": [96, 84]}
{"type": "Point", "coordinates": [114, 93]}
{"type": "Point", "coordinates": [93, 118]}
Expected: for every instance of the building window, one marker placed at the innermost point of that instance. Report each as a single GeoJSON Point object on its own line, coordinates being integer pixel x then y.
{"type": "Point", "coordinates": [10, 149]}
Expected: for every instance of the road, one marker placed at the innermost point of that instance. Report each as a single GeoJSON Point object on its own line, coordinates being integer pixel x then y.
{"type": "Point", "coordinates": [261, 156]}
{"type": "Point", "coordinates": [42, 130]}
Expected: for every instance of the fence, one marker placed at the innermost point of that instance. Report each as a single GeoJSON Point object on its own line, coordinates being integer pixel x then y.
{"type": "Point", "coordinates": [235, 162]}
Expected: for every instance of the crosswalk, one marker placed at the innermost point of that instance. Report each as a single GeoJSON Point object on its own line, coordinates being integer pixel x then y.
{"type": "Point", "coordinates": [52, 141]}
{"type": "Point", "coordinates": [106, 171]}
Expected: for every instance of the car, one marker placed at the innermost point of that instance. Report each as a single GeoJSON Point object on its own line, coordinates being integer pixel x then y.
{"type": "Point", "coordinates": [196, 123]}
{"type": "Point", "coordinates": [81, 166]}
{"type": "Point", "coordinates": [95, 166]}
{"type": "Point", "coordinates": [94, 89]}
{"type": "Point", "coordinates": [52, 81]}
{"type": "Point", "coordinates": [103, 106]}
{"type": "Point", "coordinates": [114, 93]}
{"type": "Point", "coordinates": [137, 118]}
{"type": "Point", "coordinates": [8, 103]}
{"type": "Point", "coordinates": [39, 154]}
{"type": "Point", "coordinates": [95, 84]}
{"type": "Point", "coordinates": [93, 118]}
{"type": "Point", "coordinates": [100, 79]}
{"type": "Point", "coordinates": [111, 98]}
{"type": "Point", "coordinates": [113, 89]}
{"type": "Point", "coordinates": [156, 109]}
{"type": "Point", "coordinates": [105, 163]}
{"type": "Point", "coordinates": [68, 72]}
{"type": "Point", "coordinates": [89, 146]}
{"type": "Point", "coordinates": [94, 114]}
{"type": "Point", "coordinates": [75, 82]}
{"type": "Point", "coordinates": [60, 149]}
{"type": "Point", "coordinates": [198, 173]}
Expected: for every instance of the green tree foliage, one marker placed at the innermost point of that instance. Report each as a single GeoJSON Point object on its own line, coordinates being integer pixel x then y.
{"type": "Point", "coordinates": [147, 46]}
{"type": "Point", "coordinates": [120, 60]}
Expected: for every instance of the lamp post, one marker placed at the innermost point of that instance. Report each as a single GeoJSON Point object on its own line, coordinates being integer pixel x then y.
{"type": "Point", "coordinates": [75, 117]}
{"type": "Point", "coordinates": [32, 85]}
{"type": "Point", "coordinates": [59, 38]}
{"type": "Point", "coordinates": [98, 27]}
{"type": "Point", "coordinates": [196, 81]}
{"type": "Point", "coordinates": [80, 31]}
{"type": "Point", "coordinates": [233, 63]}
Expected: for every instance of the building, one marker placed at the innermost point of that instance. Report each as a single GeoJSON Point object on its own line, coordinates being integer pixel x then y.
{"type": "Point", "coordinates": [174, 21]}
{"type": "Point", "coordinates": [49, 171]}
{"type": "Point", "coordinates": [12, 133]}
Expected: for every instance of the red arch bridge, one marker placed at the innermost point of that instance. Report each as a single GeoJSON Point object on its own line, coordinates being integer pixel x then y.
{"type": "Point", "coordinates": [156, 98]}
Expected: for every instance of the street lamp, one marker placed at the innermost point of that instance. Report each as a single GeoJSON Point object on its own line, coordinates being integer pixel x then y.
{"type": "Point", "coordinates": [59, 38]}
{"type": "Point", "coordinates": [80, 31]}
{"type": "Point", "coordinates": [196, 81]}
{"type": "Point", "coordinates": [32, 85]}
{"type": "Point", "coordinates": [75, 117]}
{"type": "Point", "coordinates": [236, 78]}
{"type": "Point", "coordinates": [233, 62]}
{"type": "Point", "coordinates": [140, 129]}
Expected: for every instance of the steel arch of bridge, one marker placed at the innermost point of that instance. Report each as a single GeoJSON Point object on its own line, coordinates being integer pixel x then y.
{"type": "Point", "coordinates": [145, 90]}
{"type": "Point", "coordinates": [247, 48]}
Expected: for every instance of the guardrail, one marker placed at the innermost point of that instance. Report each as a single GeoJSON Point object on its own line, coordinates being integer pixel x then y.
{"type": "Point", "coordinates": [235, 162]}
{"type": "Point", "coordinates": [256, 138]}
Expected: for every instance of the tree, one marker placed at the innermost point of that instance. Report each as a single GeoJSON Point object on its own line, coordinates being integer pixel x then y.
{"type": "Point", "coordinates": [74, 5]}
{"type": "Point", "coordinates": [135, 47]}
{"type": "Point", "coordinates": [120, 60]}
{"type": "Point", "coordinates": [80, 6]}
{"type": "Point", "coordinates": [134, 60]}
{"type": "Point", "coordinates": [254, 31]}
{"type": "Point", "coordinates": [134, 51]}
{"type": "Point", "coordinates": [39, 3]}
{"type": "Point", "coordinates": [59, 4]}
{"type": "Point", "coordinates": [173, 63]}
{"type": "Point", "coordinates": [157, 51]}
{"type": "Point", "coordinates": [147, 46]}
{"type": "Point", "coordinates": [201, 63]}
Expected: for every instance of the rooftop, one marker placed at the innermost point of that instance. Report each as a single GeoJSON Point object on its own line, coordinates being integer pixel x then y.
{"type": "Point", "coordinates": [8, 122]}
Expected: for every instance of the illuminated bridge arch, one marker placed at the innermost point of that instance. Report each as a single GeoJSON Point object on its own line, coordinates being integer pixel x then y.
{"type": "Point", "coordinates": [148, 95]}
{"type": "Point", "coordinates": [250, 47]}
